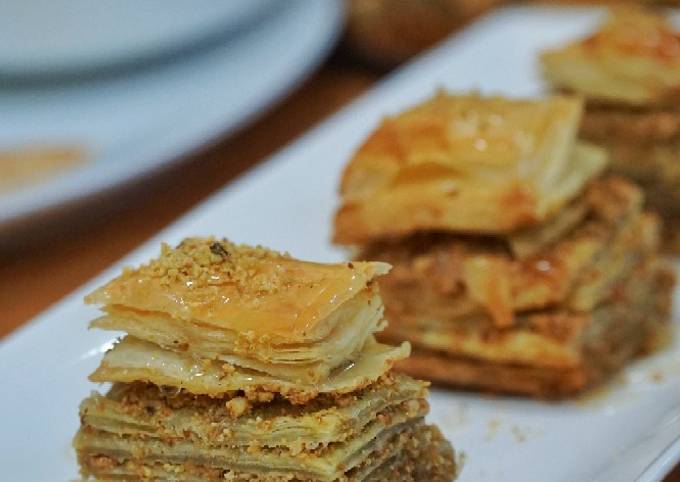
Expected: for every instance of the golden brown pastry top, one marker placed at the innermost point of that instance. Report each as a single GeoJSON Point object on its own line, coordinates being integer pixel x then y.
{"type": "Point", "coordinates": [251, 290]}
{"type": "Point", "coordinates": [465, 163]}
{"type": "Point", "coordinates": [633, 58]}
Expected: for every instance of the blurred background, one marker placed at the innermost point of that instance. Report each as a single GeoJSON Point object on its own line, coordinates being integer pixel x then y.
{"type": "Point", "coordinates": [118, 116]}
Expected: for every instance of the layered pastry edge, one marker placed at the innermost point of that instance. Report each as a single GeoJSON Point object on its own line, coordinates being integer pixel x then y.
{"type": "Point", "coordinates": [188, 402]}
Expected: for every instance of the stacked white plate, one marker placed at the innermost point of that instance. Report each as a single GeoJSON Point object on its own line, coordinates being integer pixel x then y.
{"type": "Point", "coordinates": [137, 85]}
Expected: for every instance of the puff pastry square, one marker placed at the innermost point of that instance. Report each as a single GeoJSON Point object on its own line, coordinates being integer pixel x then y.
{"type": "Point", "coordinates": [629, 73]}
{"type": "Point", "coordinates": [466, 163]}
{"type": "Point", "coordinates": [241, 363]}
{"type": "Point", "coordinates": [249, 307]}
{"type": "Point", "coordinates": [634, 59]}
{"type": "Point", "coordinates": [544, 293]}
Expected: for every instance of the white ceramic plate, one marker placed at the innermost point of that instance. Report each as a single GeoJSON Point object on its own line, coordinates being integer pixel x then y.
{"type": "Point", "coordinates": [626, 432]}
{"type": "Point", "coordinates": [130, 124]}
{"type": "Point", "coordinates": [43, 37]}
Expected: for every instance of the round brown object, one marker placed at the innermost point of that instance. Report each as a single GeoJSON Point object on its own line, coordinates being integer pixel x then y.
{"type": "Point", "coordinates": [387, 32]}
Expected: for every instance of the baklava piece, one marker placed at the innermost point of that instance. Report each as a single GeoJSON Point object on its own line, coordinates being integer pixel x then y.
{"type": "Point", "coordinates": [547, 306]}
{"type": "Point", "coordinates": [466, 163]}
{"type": "Point", "coordinates": [629, 73]}
{"type": "Point", "coordinates": [241, 363]}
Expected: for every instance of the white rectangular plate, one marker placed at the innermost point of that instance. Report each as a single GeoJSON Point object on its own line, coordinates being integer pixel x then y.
{"type": "Point", "coordinates": [628, 431]}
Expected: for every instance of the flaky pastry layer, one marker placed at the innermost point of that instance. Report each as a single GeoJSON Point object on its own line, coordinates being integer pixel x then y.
{"type": "Point", "coordinates": [133, 360]}
{"type": "Point", "coordinates": [552, 354]}
{"type": "Point", "coordinates": [634, 58]}
{"type": "Point", "coordinates": [262, 295]}
{"type": "Point", "coordinates": [352, 324]}
{"type": "Point", "coordinates": [326, 464]}
{"type": "Point", "coordinates": [415, 455]}
{"type": "Point", "coordinates": [143, 410]}
{"type": "Point", "coordinates": [465, 163]}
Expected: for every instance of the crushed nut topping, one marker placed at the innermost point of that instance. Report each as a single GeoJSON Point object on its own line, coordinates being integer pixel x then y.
{"type": "Point", "coordinates": [208, 261]}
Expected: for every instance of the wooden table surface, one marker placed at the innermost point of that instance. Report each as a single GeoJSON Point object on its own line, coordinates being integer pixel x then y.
{"type": "Point", "coordinates": [52, 259]}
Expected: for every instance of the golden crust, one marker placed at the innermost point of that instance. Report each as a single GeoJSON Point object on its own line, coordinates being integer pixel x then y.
{"type": "Point", "coordinates": [465, 163]}
{"type": "Point", "coordinates": [634, 59]}
{"type": "Point", "coordinates": [250, 290]}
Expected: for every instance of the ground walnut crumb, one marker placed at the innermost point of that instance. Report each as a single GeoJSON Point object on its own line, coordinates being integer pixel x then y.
{"type": "Point", "coordinates": [197, 262]}
{"type": "Point", "coordinates": [101, 462]}
{"type": "Point", "coordinates": [238, 406]}
{"type": "Point", "coordinates": [263, 397]}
